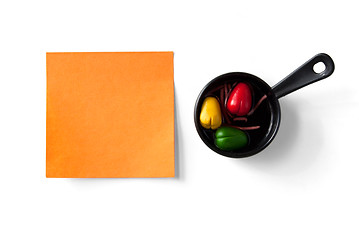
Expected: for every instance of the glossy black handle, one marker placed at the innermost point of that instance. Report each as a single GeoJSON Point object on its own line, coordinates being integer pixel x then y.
{"type": "Point", "coordinates": [304, 75]}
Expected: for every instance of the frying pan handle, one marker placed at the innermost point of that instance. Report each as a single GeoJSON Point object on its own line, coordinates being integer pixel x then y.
{"type": "Point", "coordinates": [304, 75]}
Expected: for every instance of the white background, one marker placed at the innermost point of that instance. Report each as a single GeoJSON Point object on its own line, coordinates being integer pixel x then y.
{"type": "Point", "coordinates": [305, 185]}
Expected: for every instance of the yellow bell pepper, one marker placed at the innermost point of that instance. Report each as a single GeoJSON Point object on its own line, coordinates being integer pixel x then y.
{"type": "Point", "coordinates": [210, 116]}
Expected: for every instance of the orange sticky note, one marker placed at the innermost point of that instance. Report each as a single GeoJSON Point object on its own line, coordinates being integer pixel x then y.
{"type": "Point", "coordinates": [110, 115]}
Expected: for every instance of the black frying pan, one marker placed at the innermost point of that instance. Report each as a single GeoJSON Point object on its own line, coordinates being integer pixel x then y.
{"type": "Point", "coordinates": [268, 114]}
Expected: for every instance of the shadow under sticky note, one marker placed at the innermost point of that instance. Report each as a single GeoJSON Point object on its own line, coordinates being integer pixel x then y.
{"type": "Point", "coordinates": [110, 115]}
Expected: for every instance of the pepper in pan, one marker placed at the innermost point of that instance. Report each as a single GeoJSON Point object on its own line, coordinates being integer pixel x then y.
{"type": "Point", "coordinates": [211, 117]}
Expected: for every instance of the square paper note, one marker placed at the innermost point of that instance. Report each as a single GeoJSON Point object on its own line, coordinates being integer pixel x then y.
{"type": "Point", "coordinates": [110, 115]}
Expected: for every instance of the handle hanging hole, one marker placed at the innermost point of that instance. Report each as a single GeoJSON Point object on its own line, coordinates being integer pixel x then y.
{"type": "Point", "coordinates": [319, 67]}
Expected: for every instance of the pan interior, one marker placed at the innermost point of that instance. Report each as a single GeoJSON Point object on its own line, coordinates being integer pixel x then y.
{"type": "Point", "coordinates": [267, 115]}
